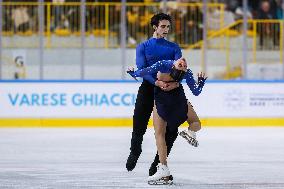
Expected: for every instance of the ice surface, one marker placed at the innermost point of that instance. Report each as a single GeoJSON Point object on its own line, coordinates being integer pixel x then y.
{"type": "Point", "coordinates": [227, 158]}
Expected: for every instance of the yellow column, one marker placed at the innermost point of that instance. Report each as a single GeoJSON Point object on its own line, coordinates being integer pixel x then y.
{"type": "Point", "coordinates": [281, 41]}
{"type": "Point", "coordinates": [222, 25]}
{"type": "Point", "coordinates": [254, 41]}
{"type": "Point", "coordinates": [106, 25]}
{"type": "Point", "coordinates": [228, 66]}
{"type": "Point", "coordinates": [48, 26]}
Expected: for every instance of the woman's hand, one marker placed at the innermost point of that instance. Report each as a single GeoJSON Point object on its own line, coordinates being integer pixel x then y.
{"type": "Point", "coordinates": [130, 71]}
{"type": "Point", "coordinates": [201, 74]}
{"type": "Point", "coordinates": [201, 77]}
{"type": "Point", "coordinates": [180, 64]}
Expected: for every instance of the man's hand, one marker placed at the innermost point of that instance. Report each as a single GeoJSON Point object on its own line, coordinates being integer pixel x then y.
{"type": "Point", "coordinates": [165, 86]}
{"type": "Point", "coordinates": [161, 84]}
{"type": "Point", "coordinates": [171, 86]}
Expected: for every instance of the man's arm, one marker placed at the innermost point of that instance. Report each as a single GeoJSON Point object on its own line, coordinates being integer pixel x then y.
{"type": "Point", "coordinates": [141, 62]}
{"type": "Point", "coordinates": [178, 53]}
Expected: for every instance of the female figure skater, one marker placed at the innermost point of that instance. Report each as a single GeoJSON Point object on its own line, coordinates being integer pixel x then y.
{"type": "Point", "coordinates": [171, 109]}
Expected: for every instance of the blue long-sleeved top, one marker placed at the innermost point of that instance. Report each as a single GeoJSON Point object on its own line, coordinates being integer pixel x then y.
{"type": "Point", "coordinates": [165, 66]}
{"type": "Point", "coordinates": [154, 50]}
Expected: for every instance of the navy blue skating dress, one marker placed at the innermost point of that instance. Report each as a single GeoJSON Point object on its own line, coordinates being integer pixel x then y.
{"type": "Point", "coordinates": [171, 105]}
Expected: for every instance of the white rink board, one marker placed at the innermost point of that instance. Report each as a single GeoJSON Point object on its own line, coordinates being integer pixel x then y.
{"type": "Point", "coordinates": [117, 99]}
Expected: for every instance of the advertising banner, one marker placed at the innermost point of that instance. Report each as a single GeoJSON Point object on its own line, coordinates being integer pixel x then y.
{"type": "Point", "coordinates": [117, 99]}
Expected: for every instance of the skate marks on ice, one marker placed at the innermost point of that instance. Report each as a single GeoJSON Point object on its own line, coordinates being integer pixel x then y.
{"type": "Point", "coordinates": [69, 175]}
{"type": "Point", "coordinates": [68, 179]}
{"type": "Point", "coordinates": [230, 186]}
{"type": "Point", "coordinates": [237, 158]}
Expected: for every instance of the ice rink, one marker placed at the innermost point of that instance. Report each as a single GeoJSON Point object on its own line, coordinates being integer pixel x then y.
{"type": "Point", "coordinates": [227, 158]}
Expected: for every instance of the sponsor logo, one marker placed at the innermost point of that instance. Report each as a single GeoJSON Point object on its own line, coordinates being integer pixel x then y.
{"type": "Point", "coordinates": [235, 99]}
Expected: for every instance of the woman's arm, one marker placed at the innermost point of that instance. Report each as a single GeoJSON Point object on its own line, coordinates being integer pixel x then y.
{"type": "Point", "coordinates": [195, 88]}
{"type": "Point", "coordinates": [162, 66]}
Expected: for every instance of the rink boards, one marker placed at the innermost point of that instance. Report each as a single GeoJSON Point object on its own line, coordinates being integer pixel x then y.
{"type": "Point", "coordinates": [111, 103]}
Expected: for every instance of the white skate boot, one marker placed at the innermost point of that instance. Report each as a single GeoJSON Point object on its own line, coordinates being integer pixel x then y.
{"type": "Point", "coordinates": [161, 177]}
{"type": "Point", "coordinates": [190, 136]}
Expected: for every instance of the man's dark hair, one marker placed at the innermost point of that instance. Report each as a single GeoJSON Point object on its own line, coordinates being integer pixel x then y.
{"type": "Point", "coordinates": [158, 17]}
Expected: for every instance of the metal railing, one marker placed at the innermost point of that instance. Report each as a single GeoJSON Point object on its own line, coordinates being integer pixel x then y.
{"type": "Point", "coordinates": [62, 26]}
{"type": "Point", "coordinates": [264, 36]}
{"type": "Point", "coordinates": [102, 23]}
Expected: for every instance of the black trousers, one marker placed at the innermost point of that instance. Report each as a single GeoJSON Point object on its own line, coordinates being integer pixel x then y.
{"type": "Point", "coordinates": [142, 112]}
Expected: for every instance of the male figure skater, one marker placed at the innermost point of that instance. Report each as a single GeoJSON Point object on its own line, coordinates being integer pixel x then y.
{"type": "Point", "coordinates": [147, 53]}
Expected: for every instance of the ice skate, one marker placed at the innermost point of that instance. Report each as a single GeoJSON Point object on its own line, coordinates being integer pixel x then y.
{"type": "Point", "coordinates": [190, 136]}
{"type": "Point", "coordinates": [135, 151]}
{"type": "Point", "coordinates": [161, 177]}
{"type": "Point", "coordinates": [131, 161]}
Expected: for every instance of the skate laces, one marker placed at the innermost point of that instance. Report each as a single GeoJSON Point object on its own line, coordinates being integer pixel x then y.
{"type": "Point", "coordinates": [162, 169]}
{"type": "Point", "coordinates": [159, 167]}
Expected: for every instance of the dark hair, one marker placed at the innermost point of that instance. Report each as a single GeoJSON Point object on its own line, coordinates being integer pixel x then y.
{"type": "Point", "coordinates": [177, 75]}
{"type": "Point", "coordinates": [158, 17]}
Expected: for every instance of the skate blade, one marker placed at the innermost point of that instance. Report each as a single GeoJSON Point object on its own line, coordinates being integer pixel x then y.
{"type": "Point", "coordinates": [189, 139]}
{"type": "Point", "coordinates": [163, 181]}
